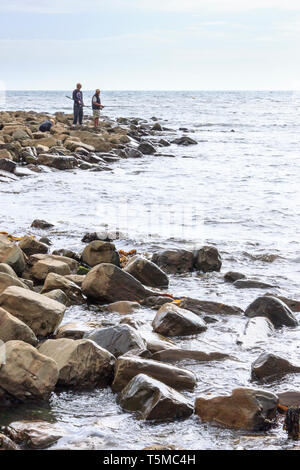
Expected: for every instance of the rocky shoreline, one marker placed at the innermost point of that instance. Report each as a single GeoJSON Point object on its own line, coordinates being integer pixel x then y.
{"type": "Point", "coordinates": [43, 353]}
{"type": "Point", "coordinates": [24, 150]}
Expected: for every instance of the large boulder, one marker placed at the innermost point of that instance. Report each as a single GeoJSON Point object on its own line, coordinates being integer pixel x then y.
{"type": "Point", "coordinates": [72, 263]}
{"type": "Point", "coordinates": [146, 272]}
{"type": "Point", "coordinates": [174, 261]}
{"type": "Point", "coordinates": [208, 259]}
{"type": "Point", "coordinates": [41, 314]}
{"type": "Point", "coordinates": [81, 363]}
{"type": "Point", "coordinates": [6, 280]}
{"type": "Point", "coordinates": [269, 367]}
{"type": "Point", "coordinates": [55, 281]}
{"type": "Point", "coordinates": [30, 246]}
{"type": "Point", "coordinates": [272, 308]}
{"type": "Point", "coordinates": [26, 374]}
{"type": "Point", "coordinates": [245, 408]}
{"type": "Point", "coordinates": [34, 434]}
{"type": "Point", "coordinates": [153, 400]}
{"type": "Point", "coordinates": [117, 339]}
{"type": "Point", "coordinates": [200, 307]}
{"type": "Point", "coordinates": [42, 268]}
{"type": "Point", "coordinates": [171, 320]}
{"type": "Point", "coordinates": [127, 367]}
{"type": "Point", "coordinates": [108, 283]}
{"type": "Point", "coordinates": [12, 328]}
{"type": "Point", "coordinates": [12, 255]}
{"type": "Point", "coordinates": [97, 252]}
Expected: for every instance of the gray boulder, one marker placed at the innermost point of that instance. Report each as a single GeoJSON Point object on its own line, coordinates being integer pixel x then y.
{"type": "Point", "coordinates": [117, 339]}
{"type": "Point", "coordinates": [272, 308]}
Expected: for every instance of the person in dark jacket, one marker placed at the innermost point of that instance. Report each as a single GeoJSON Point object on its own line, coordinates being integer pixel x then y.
{"type": "Point", "coordinates": [46, 125]}
{"type": "Point", "coordinates": [96, 105]}
{"type": "Point", "coordinates": [78, 104]}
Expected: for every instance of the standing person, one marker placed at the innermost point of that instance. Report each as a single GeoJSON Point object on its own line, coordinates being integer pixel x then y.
{"type": "Point", "coordinates": [78, 104]}
{"type": "Point", "coordinates": [96, 105]}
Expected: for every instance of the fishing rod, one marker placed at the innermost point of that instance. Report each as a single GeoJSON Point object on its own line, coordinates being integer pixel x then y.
{"type": "Point", "coordinates": [109, 106]}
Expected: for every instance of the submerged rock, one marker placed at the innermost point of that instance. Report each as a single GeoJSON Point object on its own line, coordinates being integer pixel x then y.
{"type": "Point", "coordinates": [128, 367]}
{"type": "Point", "coordinates": [124, 307]}
{"type": "Point", "coordinates": [43, 224]}
{"type": "Point", "coordinates": [171, 320]}
{"type": "Point", "coordinates": [245, 408]}
{"type": "Point", "coordinates": [34, 434]}
{"type": "Point", "coordinates": [177, 354]}
{"type": "Point", "coordinates": [232, 276]}
{"type": "Point", "coordinates": [117, 339]}
{"type": "Point", "coordinates": [200, 307]}
{"type": "Point", "coordinates": [146, 272]}
{"type": "Point", "coordinates": [250, 284]}
{"type": "Point", "coordinates": [272, 308]}
{"type": "Point", "coordinates": [81, 363]}
{"type": "Point", "coordinates": [108, 283]}
{"type": "Point", "coordinates": [270, 367]}
{"type": "Point", "coordinates": [97, 252]}
{"type": "Point", "coordinates": [208, 259]}
{"type": "Point", "coordinates": [41, 314]}
{"type": "Point", "coordinates": [153, 400]}
{"type": "Point", "coordinates": [26, 374]}
{"type": "Point", "coordinates": [174, 261]}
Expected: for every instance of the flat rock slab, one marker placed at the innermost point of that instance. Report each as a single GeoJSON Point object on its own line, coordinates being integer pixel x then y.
{"type": "Point", "coordinates": [250, 284]}
{"type": "Point", "coordinates": [200, 307]}
{"type": "Point", "coordinates": [176, 355]}
{"type": "Point", "coordinates": [128, 367]}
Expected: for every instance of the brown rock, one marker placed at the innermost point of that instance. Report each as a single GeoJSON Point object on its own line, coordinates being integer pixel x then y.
{"type": "Point", "coordinates": [35, 434]}
{"type": "Point", "coordinates": [177, 354]}
{"type": "Point", "coordinates": [13, 256]}
{"type": "Point", "coordinates": [108, 283]}
{"type": "Point", "coordinates": [146, 272]}
{"type": "Point", "coordinates": [272, 308]}
{"type": "Point", "coordinates": [6, 280]}
{"type": "Point", "coordinates": [55, 281]}
{"type": "Point", "coordinates": [270, 367]}
{"type": "Point", "coordinates": [30, 246]}
{"type": "Point", "coordinates": [245, 408]}
{"type": "Point", "coordinates": [200, 307]}
{"type": "Point", "coordinates": [41, 314]}
{"type": "Point", "coordinates": [171, 320]}
{"type": "Point", "coordinates": [97, 252]}
{"type": "Point", "coordinates": [174, 261]}
{"type": "Point", "coordinates": [124, 307]}
{"type": "Point", "coordinates": [153, 400]}
{"type": "Point", "coordinates": [81, 363]}
{"type": "Point", "coordinates": [11, 328]}
{"type": "Point", "coordinates": [42, 268]}
{"type": "Point", "coordinates": [208, 259]}
{"type": "Point", "coordinates": [128, 367]}
{"type": "Point", "coordinates": [26, 374]}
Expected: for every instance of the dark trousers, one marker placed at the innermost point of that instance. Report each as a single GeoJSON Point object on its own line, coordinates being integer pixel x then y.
{"type": "Point", "coordinates": [78, 114]}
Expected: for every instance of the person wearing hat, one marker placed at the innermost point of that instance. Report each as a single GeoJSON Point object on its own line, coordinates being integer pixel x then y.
{"type": "Point", "coordinates": [96, 105]}
{"type": "Point", "coordinates": [78, 104]}
{"type": "Point", "coordinates": [46, 125]}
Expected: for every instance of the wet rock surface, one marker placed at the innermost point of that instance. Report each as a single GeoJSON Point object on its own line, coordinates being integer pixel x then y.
{"type": "Point", "coordinates": [272, 308]}
{"type": "Point", "coordinates": [117, 339]}
{"type": "Point", "coordinates": [153, 400]}
{"type": "Point", "coordinates": [171, 320]}
{"type": "Point", "coordinates": [247, 409]}
{"type": "Point", "coordinates": [146, 272]}
{"type": "Point", "coordinates": [174, 261]}
{"type": "Point", "coordinates": [128, 367]}
{"type": "Point", "coordinates": [34, 434]}
{"type": "Point", "coordinates": [269, 367]}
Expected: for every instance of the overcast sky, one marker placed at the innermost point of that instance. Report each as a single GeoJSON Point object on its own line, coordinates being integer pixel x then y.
{"type": "Point", "coordinates": [150, 44]}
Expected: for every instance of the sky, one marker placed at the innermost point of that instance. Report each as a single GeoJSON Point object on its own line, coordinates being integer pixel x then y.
{"type": "Point", "coordinates": [150, 44]}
